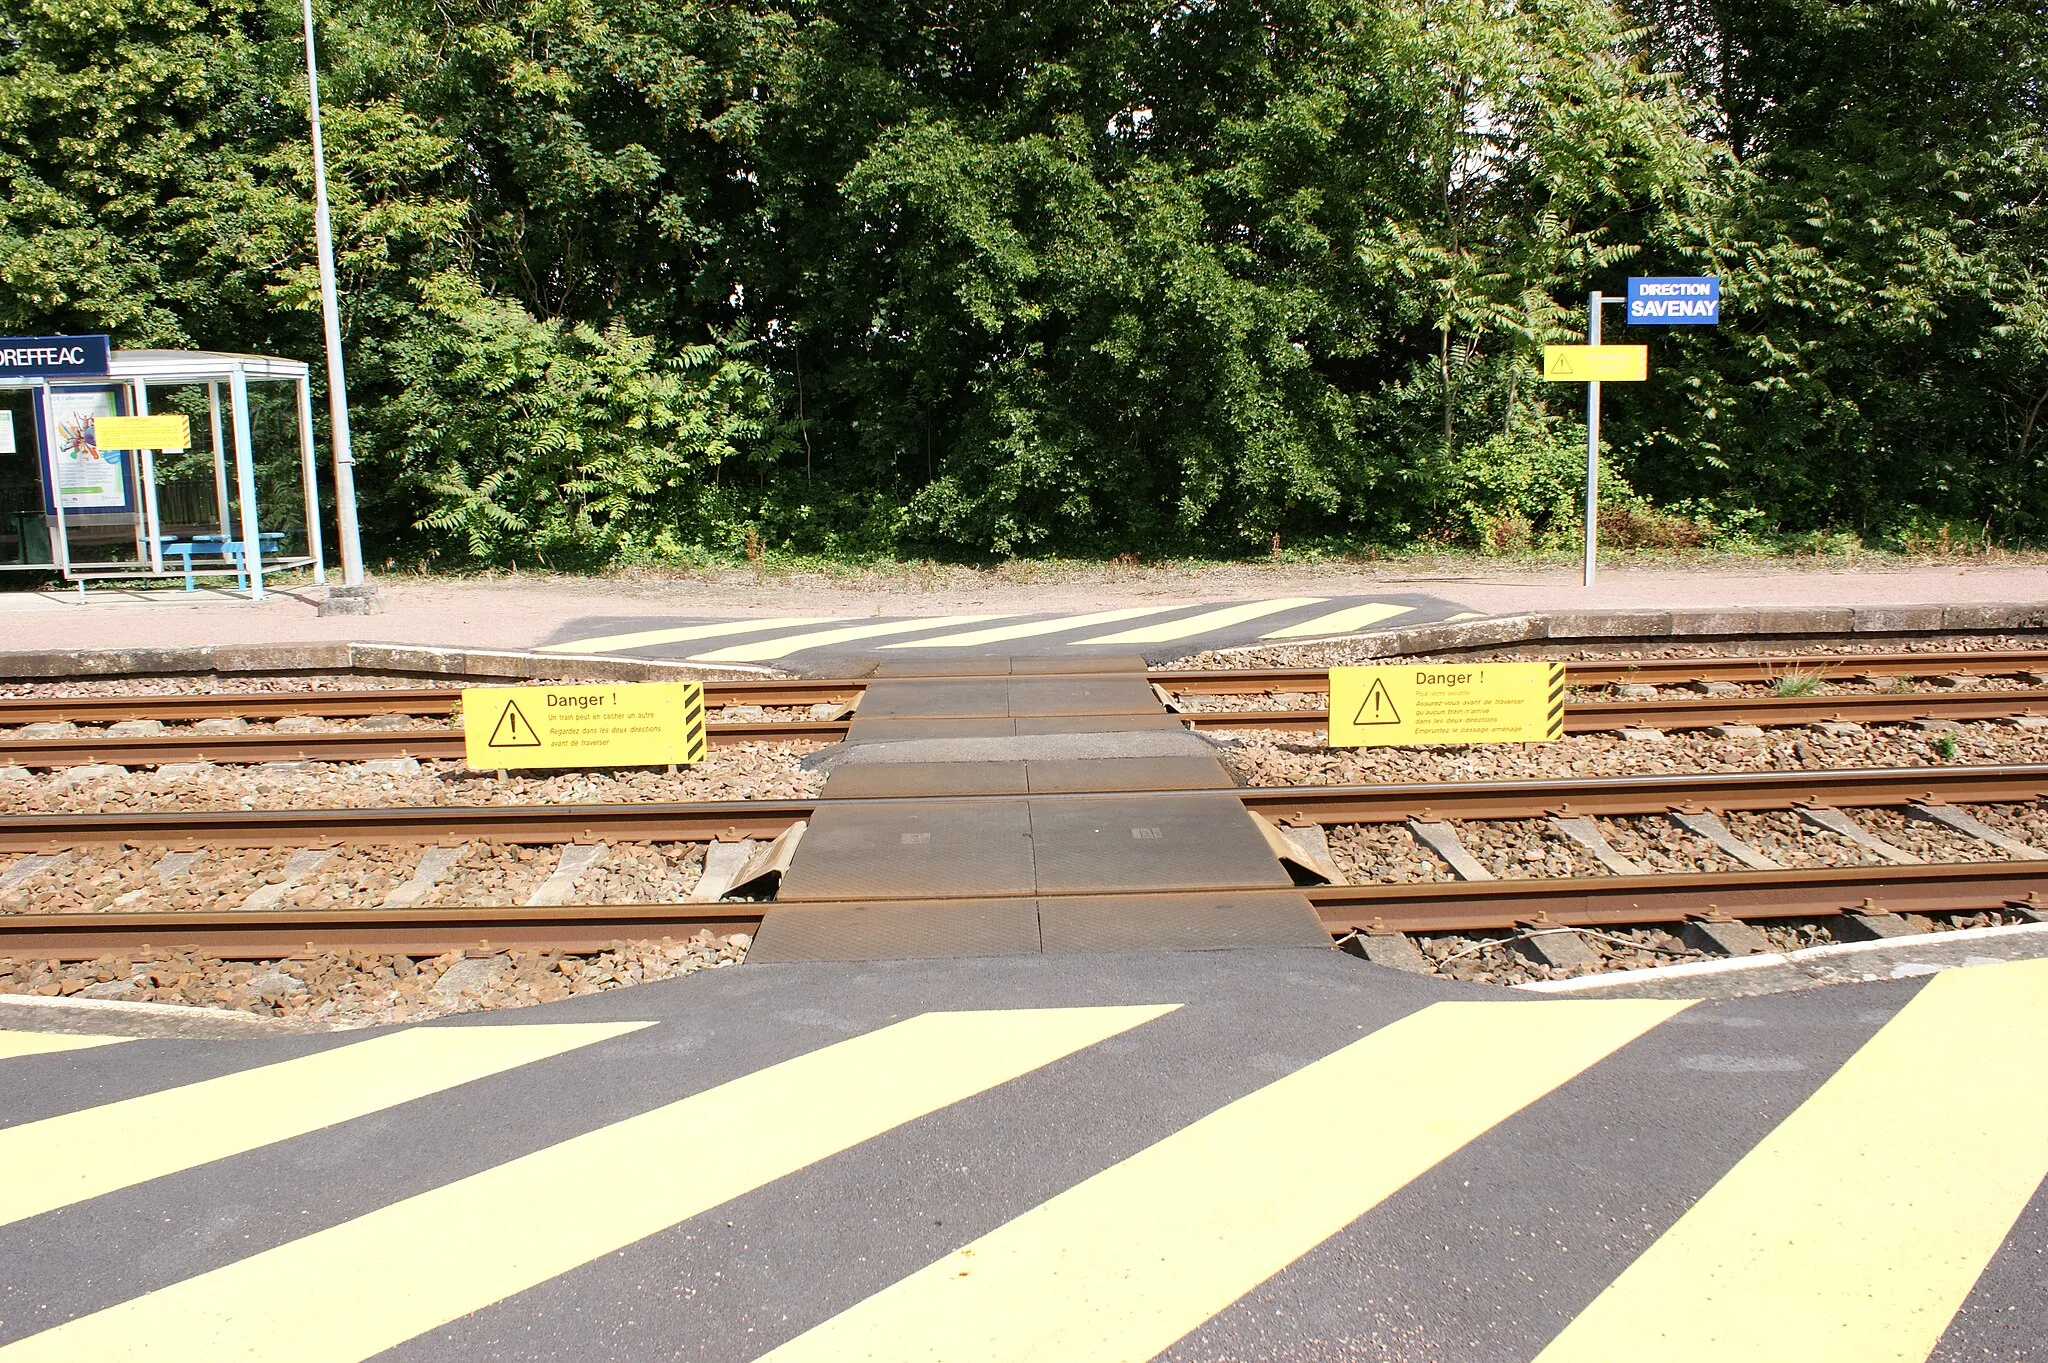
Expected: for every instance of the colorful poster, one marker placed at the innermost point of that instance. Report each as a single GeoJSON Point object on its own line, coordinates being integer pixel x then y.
{"type": "Point", "coordinates": [86, 477]}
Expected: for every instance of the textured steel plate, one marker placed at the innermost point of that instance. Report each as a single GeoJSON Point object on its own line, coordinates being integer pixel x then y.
{"type": "Point", "coordinates": [1114, 662]}
{"type": "Point", "coordinates": [1086, 776]}
{"type": "Point", "coordinates": [942, 667]}
{"type": "Point", "coordinates": [873, 779]}
{"type": "Point", "coordinates": [896, 932]}
{"type": "Point", "coordinates": [1096, 724]}
{"type": "Point", "coordinates": [1086, 843]}
{"type": "Point", "coordinates": [885, 728]}
{"type": "Point", "coordinates": [1189, 922]}
{"type": "Point", "coordinates": [915, 848]}
{"type": "Point", "coordinates": [1083, 696]}
{"type": "Point", "coordinates": [937, 699]}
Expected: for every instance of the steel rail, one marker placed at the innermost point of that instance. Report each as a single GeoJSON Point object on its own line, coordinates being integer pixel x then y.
{"type": "Point", "coordinates": [1595, 901]}
{"type": "Point", "coordinates": [1637, 795]}
{"type": "Point", "coordinates": [431, 702]}
{"type": "Point", "coordinates": [447, 743]}
{"type": "Point", "coordinates": [1754, 669]}
{"type": "Point", "coordinates": [413, 932]}
{"type": "Point", "coordinates": [1587, 717]}
{"type": "Point", "coordinates": [526, 825]}
{"type": "Point", "coordinates": [1434, 907]}
{"type": "Point", "coordinates": [535, 825]}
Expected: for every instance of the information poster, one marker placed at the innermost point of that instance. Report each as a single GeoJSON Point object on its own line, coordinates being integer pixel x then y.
{"type": "Point", "coordinates": [6, 433]}
{"type": "Point", "coordinates": [84, 477]}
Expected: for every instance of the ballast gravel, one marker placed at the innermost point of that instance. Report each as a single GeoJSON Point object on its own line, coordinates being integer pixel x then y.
{"type": "Point", "coordinates": [352, 989]}
{"type": "Point", "coordinates": [745, 771]}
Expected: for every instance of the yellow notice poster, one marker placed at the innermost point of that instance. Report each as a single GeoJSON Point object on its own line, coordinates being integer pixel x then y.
{"type": "Point", "coordinates": [1431, 703]}
{"type": "Point", "coordinates": [643, 724]}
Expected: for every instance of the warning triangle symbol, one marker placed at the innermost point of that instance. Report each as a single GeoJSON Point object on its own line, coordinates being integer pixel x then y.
{"type": "Point", "coordinates": [513, 730]}
{"type": "Point", "coordinates": [1378, 707]}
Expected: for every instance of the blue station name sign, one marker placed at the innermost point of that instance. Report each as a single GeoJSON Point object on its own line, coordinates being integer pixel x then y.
{"type": "Point", "coordinates": [54, 357]}
{"type": "Point", "coordinates": [1675, 302]}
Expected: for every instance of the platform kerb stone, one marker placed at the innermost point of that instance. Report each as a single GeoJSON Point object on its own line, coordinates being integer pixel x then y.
{"type": "Point", "coordinates": [1897, 620]}
{"type": "Point", "coordinates": [1807, 621]}
{"type": "Point", "coordinates": [1713, 623]}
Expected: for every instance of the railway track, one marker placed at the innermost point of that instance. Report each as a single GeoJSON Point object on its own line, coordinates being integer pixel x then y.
{"type": "Point", "coordinates": [442, 701]}
{"type": "Point", "coordinates": [446, 743]}
{"type": "Point", "coordinates": [2017, 886]}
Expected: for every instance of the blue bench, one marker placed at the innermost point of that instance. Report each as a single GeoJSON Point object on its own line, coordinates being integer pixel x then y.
{"type": "Point", "coordinates": [230, 551]}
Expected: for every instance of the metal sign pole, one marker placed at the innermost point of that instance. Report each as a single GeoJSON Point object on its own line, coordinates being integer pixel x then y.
{"type": "Point", "coordinates": [1592, 442]}
{"type": "Point", "coordinates": [330, 318]}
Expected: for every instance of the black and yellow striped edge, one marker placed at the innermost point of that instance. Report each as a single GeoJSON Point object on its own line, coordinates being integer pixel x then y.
{"type": "Point", "coordinates": [1553, 726]}
{"type": "Point", "coordinates": [691, 740]}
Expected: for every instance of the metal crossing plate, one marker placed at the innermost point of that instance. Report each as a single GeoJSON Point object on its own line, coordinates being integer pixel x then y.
{"type": "Point", "coordinates": [912, 847]}
{"type": "Point", "coordinates": [896, 932]}
{"type": "Point", "coordinates": [936, 699]}
{"type": "Point", "coordinates": [892, 779]}
{"type": "Point", "coordinates": [1082, 696]}
{"type": "Point", "coordinates": [1087, 776]}
{"type": "Point", "coordinates": [868, 728]}
{"type": "Point", "coordinates": [1089, 844]}
{"type": "Point", "coordinates": [1189, 922]}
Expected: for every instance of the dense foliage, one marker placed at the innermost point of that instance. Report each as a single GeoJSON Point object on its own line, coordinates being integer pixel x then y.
{"type": "Point", "coordinates": [641, 279]}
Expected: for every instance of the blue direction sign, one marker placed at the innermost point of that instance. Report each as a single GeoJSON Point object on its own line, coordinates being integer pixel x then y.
{"type": "Point", "coordinates": [53, 357]}
{"type": "Point", "coordinates": [1675, 302]}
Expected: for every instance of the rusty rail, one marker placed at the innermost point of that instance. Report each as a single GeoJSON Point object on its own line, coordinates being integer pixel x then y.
{"type": "Point", "coordinates": [1457, 906]}
{"type": "Point", "coordinates": [446, 743]}
{"type": "Point", "coordinates": [429, 702]}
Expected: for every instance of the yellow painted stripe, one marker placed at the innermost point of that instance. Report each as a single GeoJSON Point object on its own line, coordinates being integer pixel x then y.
{"type": "Point", "coordinates": [1857, 1227]}
{"type": "Point", "coordinates": [1121, 1265]}
{"type": "Point", "coordinates": [367, 1285]}
{"type": "Point", "coordinates": [768, 650]}
{"type": "Point", "coordinates": [1036, 628]}
{"type": "Point", "coordinates": [13, 1044]}
{"type": "Point", "coordinates": [1341, 622]}
{"type": "Point", "coordinates": [1462, 615]}
{"type": "Point", "coordinates": [1191, 625]}
{"type": "Point", "coordinates": [647, 638]}
{"type": "Point", "coordinates": [60, 1160]}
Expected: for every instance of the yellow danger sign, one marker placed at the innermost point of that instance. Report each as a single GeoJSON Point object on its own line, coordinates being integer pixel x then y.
{"type": "Point", "coordinates": [1425, 703]}
{"type": "Point", "coordinates": [167, 433]}
{"type": "Point", "coordinates": [643, 724]}
{"type": "Point", "coordinates": [1606, 363]}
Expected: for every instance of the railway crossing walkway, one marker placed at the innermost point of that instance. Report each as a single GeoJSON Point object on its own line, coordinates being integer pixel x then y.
{"type": "Point", "coordinates": [1270, 1153]}
{"type": "Point", "coordinates": [819, 643]}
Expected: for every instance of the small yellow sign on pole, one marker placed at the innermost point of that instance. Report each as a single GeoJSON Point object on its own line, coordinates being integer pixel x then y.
{"type": "Point", "coordinates": [1430, 703]}
{"type": "Point", "coordinates": [644, 724]}
{"type": "Point", "coordinates": [168, 433]}
{"type": "Point", "coordinates": [1604, 363]}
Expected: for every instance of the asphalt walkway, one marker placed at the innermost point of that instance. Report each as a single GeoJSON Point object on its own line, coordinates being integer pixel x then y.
{"type": "Point", "coordinates": [1274, 1154]}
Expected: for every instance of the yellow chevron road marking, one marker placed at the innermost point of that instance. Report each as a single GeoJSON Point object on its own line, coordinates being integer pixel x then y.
{"type": "Point", "coordinates": [767, 650]}
{"type": "Point", "coordinates": [648, 638]}
{"type": "Point", "coordinates": [60, 1160]}
{"type": "Point", "coordinates": [1855, 1229]}
{"type": "Point", "coordinates": [1125, 1263]}
{"type": "Point", "coordinates": [1189, 626]}
{"type": "Point", "coordinates": [14, 1044]}
{"type": "Point", "coordinates": [1003, 633]}
{"type": "Point", "coordinates": [367, 1285]}
{"type": "Point", "coordinates": [1341, 622]}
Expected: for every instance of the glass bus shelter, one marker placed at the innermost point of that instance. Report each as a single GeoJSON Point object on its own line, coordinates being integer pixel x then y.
{"type": "Point", "coordinates": [89, 514]}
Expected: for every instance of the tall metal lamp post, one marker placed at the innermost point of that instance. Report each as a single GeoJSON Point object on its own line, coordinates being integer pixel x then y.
{"type": "Point", "coordinates": [330, 317]}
